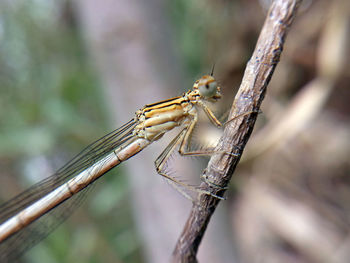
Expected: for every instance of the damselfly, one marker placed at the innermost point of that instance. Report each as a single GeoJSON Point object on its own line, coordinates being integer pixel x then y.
{"type": "Point", "coordinates": [23, 217]}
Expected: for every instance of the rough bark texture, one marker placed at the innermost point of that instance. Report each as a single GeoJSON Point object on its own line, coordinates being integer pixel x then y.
{"type": "Point", "coordinates": [221, 166]}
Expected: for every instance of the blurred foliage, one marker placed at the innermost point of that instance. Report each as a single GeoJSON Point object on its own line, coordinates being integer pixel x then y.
{"type": "Point", "coordinates": [190, 37]}
{"type": "Point", "coordinates": [52, 105]}
{"type": "Point", "coordinates": [197, 27]}
{"type": "Point", "coordinates": [47, 84]}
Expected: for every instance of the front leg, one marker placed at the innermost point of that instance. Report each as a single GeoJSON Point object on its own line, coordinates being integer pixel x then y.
{"type": "Point", "coordinates": [184, 148]}
{"type": "Point", "coordinates": [163, 158]}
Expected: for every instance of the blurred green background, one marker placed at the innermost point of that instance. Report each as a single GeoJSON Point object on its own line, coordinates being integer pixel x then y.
{"type": "Point", "coordinates": [59, 92]}
{"type": "Point", "coordinates": [52, 106]}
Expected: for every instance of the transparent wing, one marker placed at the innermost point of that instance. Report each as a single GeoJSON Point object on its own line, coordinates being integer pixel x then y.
{"type": "Point", "coordinates": [15, 245]}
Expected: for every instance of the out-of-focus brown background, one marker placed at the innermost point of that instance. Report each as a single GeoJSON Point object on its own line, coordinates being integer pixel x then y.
{"type": "Point", "coordinates": [71, 71]}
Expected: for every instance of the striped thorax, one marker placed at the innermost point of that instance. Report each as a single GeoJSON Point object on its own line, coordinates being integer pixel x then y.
{"type": "Point", "coordinates": [158, 118]}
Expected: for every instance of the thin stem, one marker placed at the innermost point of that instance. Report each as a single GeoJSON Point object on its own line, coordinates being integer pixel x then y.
{"type": "Point", "coordinates": [251, 93]}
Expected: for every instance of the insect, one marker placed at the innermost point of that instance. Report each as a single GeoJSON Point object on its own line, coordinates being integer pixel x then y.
{"type": "Point", "coordinates": [23, 217]}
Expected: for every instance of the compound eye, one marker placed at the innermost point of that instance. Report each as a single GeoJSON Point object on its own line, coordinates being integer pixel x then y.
{"type": "Point", "coordinates": [208, 90]}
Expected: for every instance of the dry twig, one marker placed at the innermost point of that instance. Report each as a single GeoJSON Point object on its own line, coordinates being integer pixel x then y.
{"type": "Point", "coordinates": [221, 166]}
